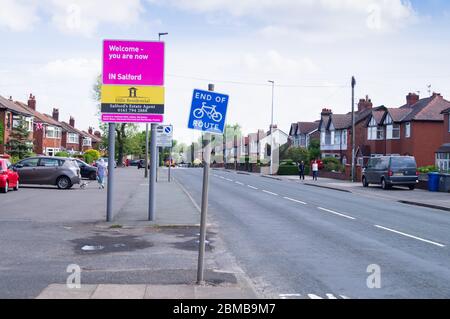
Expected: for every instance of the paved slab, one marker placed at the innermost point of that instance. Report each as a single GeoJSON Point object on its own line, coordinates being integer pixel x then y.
{"type": "Point", "coordinates": [119, 292]}
{"type": "Point", "coordinates": [58, 291]}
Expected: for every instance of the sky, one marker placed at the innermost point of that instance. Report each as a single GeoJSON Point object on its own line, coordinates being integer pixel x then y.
{"type": "Point", "coordinates": [310, 48]}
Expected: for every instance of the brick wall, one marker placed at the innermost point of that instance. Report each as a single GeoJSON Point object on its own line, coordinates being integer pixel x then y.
{"type": "Point", "coordinates": [446, 128]}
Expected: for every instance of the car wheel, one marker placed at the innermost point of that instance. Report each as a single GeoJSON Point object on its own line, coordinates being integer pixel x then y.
{"type": "Point", "coordinates": [364, 181]}
{"type": "Point", "coordinates": [384, 184]}
{"type": "Point", "coordinates": [412, 187]}
{"type": "Point", "coordinates": [93, 176]}
{"type": "Point", "coordinates": [6, 188]}
{"type": "Point", "coordinates": [63, 182]}
{"type": "Point", "coordinates": [17, 186]}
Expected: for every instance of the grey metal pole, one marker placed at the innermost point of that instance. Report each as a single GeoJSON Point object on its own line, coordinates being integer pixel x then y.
{"type": "Point", "coordinates": [110, 185]}
{"type": "Point", "coordinates": [271, 130]}
{"type": "Point", "coordinates": [146, 150]}
{"type": "Point", "coordinates": [152, 181]}
{"type": "Point", "coordinates": [204, 209]}
{"type": "Point", "coordinates": [170, 163]}
{"type": "Point", "coordinates": [353, 131]}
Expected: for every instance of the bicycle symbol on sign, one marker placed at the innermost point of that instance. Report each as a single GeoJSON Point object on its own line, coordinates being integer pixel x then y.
{"type": "Point", "coordinates": [210, 111]}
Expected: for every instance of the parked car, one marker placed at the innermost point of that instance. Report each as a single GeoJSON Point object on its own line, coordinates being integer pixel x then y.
{"type": "Point", "coordinates": [9, 179]}
{"type": "Point", "coordinates": [141, 164]}
{"type": "Point", "coordinates": [86, 170]}
{"type": "Point", "coordinates": [389, 171]}
{"type": "Point", "coordinates": [60, 171]}
{"type": "Point", "coordinates": [134, 162]}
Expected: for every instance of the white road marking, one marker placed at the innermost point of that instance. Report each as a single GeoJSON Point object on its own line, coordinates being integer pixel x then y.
{"type": "Point", "coordinates": [239, 183]}
{"type": "Point", "coordinates": [267, 192]}
{"type": "Point", "coordinates": [221, 177]}
{"type": "Point", "coordinates": [285, 296]}
{"type": "Point", "coordinates": [252, 187]}
{"type": "Point", "coordinates": [336, 213]}
{"type": "Point", "coordinates": [227, 179]}
{"type": "Point", "coordinates": [328, 296]}
{"type": "Point", "coordinates": [410, 236]}
{"type": "Point", "coordinates": [294, 200]}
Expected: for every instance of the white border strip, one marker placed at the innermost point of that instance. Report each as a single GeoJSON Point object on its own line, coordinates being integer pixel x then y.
{"type": "Point", "coordinates": [410, 236]}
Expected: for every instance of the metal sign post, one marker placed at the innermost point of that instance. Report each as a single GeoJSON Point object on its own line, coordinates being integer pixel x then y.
{"type": "Point", "coordinates": [152, 181]}
{"type": "Point", "coordinates": [110, 185]}
{"type": "Point", "coordinates": [207, 114]}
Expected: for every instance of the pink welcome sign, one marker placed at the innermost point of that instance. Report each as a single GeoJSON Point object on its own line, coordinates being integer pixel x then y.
{"type": "Point", "coordinates": [133, 62]}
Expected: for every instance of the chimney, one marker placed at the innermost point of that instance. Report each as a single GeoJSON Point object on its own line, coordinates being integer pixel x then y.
{"type": "Point", "coordinates": [55, 114]}
{"type": "Point", "coordinates": [98, 134]}
{"type": "Point", "coordinates": [274, 126]}
{"type": "Point", "coordinates": [10, 98]}
{"type": "Point", "coordinates": [90, 130]}
{"type": "Point", "coordinates": [72, 121]}
{"type": "Point", "coordinates": [32, 102]}
{"type": "Point", "coordinates": [326, 111]}
{"type": "Point", "coordinates": [365, 104]}
{"type": "Point", "coordinates": [436, 94]}
{"type": "Point", "coordinates": [412, 99]}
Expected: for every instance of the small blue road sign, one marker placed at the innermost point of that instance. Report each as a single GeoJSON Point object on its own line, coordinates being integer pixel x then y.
{"type": "Point", "coordinates": [168, 129]}
{"type": "Point", "coordinates": [208, 111]}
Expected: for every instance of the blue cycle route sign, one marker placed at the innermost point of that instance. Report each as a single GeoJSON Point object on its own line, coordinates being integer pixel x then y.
{"type": "Point", "coordinates": [208, 111]}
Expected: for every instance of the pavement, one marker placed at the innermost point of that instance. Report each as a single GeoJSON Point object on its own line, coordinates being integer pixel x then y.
{"type": "Point", "coordinates": [45, 231]}
{"type": "Point", "coordinates": [298, 241]}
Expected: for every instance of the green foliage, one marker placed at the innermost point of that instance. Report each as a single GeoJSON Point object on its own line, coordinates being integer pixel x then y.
{"type": "Point", "coordinates": [332, 164]}
{"type": "Point", "coordinates": [91, 156]}
{"type": "Point", "coordinates": [62, 154]}
{"type": "Point", "coordinates": [19, 144]}
{"type": "Point", "coordinates": [298, 154]}
{"type": "Point", "coordinates": [428, 169]}
{"type": "Point", "coordinates": [14, 159]}
{"type": "Point", "coordinates": [284, 151]}
{"type": "Point", "coordinates": [287, 170]}
{"type": "Point", "coordinates": [314, 149]}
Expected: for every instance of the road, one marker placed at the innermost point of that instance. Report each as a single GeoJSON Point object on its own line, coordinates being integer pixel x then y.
{"type": "Point", "coordinates": [298, 241]}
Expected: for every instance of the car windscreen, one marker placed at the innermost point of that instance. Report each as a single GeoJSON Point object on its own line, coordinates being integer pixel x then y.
{"type": "Point", "coordinates": [403, 162]}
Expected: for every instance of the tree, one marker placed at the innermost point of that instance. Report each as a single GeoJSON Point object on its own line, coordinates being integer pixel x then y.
{"type": "Point", "coordinates": [20, 144]}
{"type": "Point", "coordinates": [298, 154]}
{"type": "Point", "coordinates": [314, 149]}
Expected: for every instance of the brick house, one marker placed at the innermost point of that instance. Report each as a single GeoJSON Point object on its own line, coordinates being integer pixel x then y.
{"type": "Point", "coordinates": [302, 133]}
{"type": "Point", "coordinates": [443, 153]}
{"type": "Point", "coordinates": [47, 131]}
{"type": "Point", "coordinates": [71, 137]}
{"type": "Point", "coordinates": [336, 132]}
{"type": "Point", "coordinates": [10, 116]}
{"type": "Point", "coordinates": [415, 129]}
{"type": "Point", "coordinates": [91, 140]}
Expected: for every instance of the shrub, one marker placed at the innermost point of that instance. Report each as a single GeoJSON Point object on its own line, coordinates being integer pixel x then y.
{"type": "Point", "coordinates": [298, 154]}
{"type": "Point", "coordinates": [287, 170]}
{"type": "Point", "coordinates": [14, 159]}
{"type": "Point", "coordinates": [91, 156]}
{"type": "Point", "coordinates": [428, 169]}
{"type": "Point", "coordinates": [331, 164]}
{"type": "Point", "coordinates": [62, 154]}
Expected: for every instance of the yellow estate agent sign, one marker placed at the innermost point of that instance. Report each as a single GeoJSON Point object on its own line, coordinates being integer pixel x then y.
{"type": "Point", "coordinates": [132, 99]}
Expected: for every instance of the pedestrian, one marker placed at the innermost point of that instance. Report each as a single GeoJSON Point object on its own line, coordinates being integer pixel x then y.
{"type": "Point", "coordinates": [301, 170]}
{"type": "Point", "coordinates": [315, 169]}
{"type": "Point", "coordinates": [102, 171]}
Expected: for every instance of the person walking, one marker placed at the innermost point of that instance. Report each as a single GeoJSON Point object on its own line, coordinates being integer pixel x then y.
{"type": "Point", "coordinates": [301, 170]}
{"type": "Point", "coordinates": [315, 169]}
{"type": "Point", "coordinates": [102, 171]}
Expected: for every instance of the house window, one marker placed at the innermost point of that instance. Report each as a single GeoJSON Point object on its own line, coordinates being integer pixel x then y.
{"type": "Point", "coordinates": [328, 138]}
{"type": "Point", "coordinates": [72, 138]}
{"type": "Point", "coordinates": [443, 161]}
{"type": "Point", "coordinates": [8, 120]}
{"type": "Point", "coordinates": [449, 122]}
{"type": "Point", "coordinates": [302, 141]}
{"type": "Point", "coordinates": [393, 131]}
{"type": "Point", "coordinates": [50, 151]}
{"type": "Point", "coordinates": [87, 141]}
{"type": "Point", "coordinates": [337, 138]}
{"type": "Point", "coordinates": [53, 132]}
{"type": "Point", "coordinates": [408, 130]}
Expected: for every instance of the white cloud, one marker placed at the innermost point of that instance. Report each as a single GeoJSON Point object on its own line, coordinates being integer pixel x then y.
{"type": "Point", "coordinates": [84, 16]}
{"type": "Point", "coordinates": [78, 68]}
{"type": "Point", "coordinates": [17, 15]}
{"type": "Point", "coordinates": [328, 15]}
{"type": "Point", "coordinates": [273, 63]}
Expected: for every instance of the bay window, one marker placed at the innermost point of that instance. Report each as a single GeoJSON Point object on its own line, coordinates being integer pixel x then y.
{"type": "Point", "coordinates": [53, 132]}
{"type": "Point", "coordinates": [72, 138]}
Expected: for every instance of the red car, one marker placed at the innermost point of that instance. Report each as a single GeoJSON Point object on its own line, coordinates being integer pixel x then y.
{"type": "Point", "coordinates": [9, 179]}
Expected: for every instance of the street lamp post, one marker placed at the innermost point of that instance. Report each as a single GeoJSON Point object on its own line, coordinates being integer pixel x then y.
{"type": "Point", "coordinates": [153, 162]}
{"type": "Point", "coordinates": [271, 129]}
